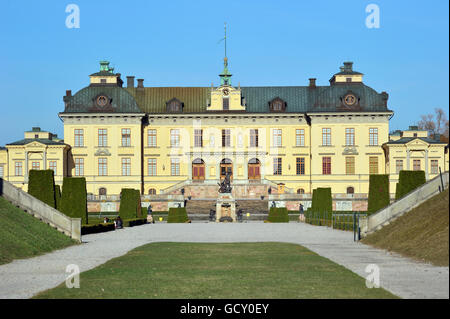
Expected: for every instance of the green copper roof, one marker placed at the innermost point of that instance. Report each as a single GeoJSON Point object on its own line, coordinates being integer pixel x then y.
{"type": "Point", "coordinates": [121, 101]}
{"type": "Point", "coordinates": [405, 140]}
{"type": "Point", "coordinates": [40, 140]}
{"type": "Point", "coordinates": [299, 99]}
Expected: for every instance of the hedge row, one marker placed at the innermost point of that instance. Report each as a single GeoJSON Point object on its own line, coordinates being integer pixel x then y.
{"type": "Point", "coordinates": [41, 184]}
{"type": "Point", "coordinates": [177, 215]}
{"type": "Point", "coordinates": [134, 222]}
{"type": "Point", "coordinates": [74, 198]}
{"type": "Point", "coordinates": [321, 200]}
{"type": "Point", "coordinates": [278, 215]}
{"type": "Point", "coordinates": [378, 192]}
{"type": "Point", "coordinates": [97, 228]}
{"type": "Point", "coordinates": [409, 181]}
{"type": "Point", "coordinates": [130, 204]}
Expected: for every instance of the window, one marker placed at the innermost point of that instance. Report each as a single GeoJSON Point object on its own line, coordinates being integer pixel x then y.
{"type": "Point", "coordinates": [79, 137]}
{"type": "Point", "coordinates": [350, 165]}
{"type": "Point", "coordinates": [126, 166]}
{"type": "Point", "coordinates": [175, 167]}
{"type": "Point", "coordinates": [174, 105]}
{"type": "Point", "coordinates": [416, 165]}
{"type": "Point", "coordinates": [152, 191]}
{"type": "Point", "coordinates": [126, 137]}
{"type": "Point", "coordinates": [102, 137]}
{"type": "Point", "coordinates": [102, 167]}
{"type": "Point", "coordinates": [373, 165]}
{"type": "Point", "coordinates": [277, 105]}
{"type": "Point", "coordinates": [226, 104]}
{"type": "Point", "coordinates": [254, 139]}
{"type": "Point", "coordinates": [398, 166]}
{"type": "Point", "coordinates": [300, 137]}
{"type": "Point", "coordinates": [434, 166]}
{"type": "Point", "coordinates": [151, 138]}
{"type": "Point", "coordinates": [326, 136]}
{"type": "Point", "coordinates": [277, 166]}
{"type": "Point", "coordinates": [151, 165]}
{"type": "Point", "coordinates": [326, 165]}
{"type": "Point", "coordinates": [350, 190]}
{"type": "Point", "coordinates": [300, 191]}
{"type": "Point", "coordinates": [2, 171]}
{"type": "Point", "coordinates": [373, 136]}
{"type": "Point", "coordinates": [52, 166]}
{"type": "Point", "coordinates": [103, 81]}
{"type": "Point", "coordinates": [18, 169]}
{"type": "Point", "coordinates": [35, 165]}
{"type": "Point", "coordinates": [175, 137]}
{"type": "Point", "coordinates": [300, 165]}
{"type": "Point", "coordinates": [198, 138]}
{"type": "Point", "coordinates": [277, 137]}
{"type": "Point", "coordinates": [348, 79]}
{"type": "Point", "coordinates": [226, 139]}
{"type": "Point", "coordinates": [349, 136]}
{"type": "Point", "coordinates": [79, 166]}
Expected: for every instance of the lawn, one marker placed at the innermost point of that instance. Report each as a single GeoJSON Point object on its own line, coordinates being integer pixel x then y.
{"type": "Point", "coordinates": [23, 236]}
{"type": "Point", "coordinates": [421, 234]}
{"type": "Point", "coordinates": [207, 270]}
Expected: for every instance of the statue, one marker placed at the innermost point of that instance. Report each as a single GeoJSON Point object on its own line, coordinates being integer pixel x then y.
{"type": "Point", "coordinates": [225, 186]}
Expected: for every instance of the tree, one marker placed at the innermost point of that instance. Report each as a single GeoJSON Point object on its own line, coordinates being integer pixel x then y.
{"type": "Point", "coordinates": [436, 123]}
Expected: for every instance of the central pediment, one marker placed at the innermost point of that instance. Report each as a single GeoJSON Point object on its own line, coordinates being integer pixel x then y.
{"type": "Point", "coordinates": [226, 98]}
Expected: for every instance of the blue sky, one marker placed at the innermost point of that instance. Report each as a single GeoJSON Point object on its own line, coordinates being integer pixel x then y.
{"type": "Point", "coordinates": [175, 43]}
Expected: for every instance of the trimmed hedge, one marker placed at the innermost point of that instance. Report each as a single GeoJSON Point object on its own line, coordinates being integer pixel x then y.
{"type": "Point", "coordinates": [378, 192]}
{"type": "Point", "coordinates": [57, 197]}
{"type": "Point", "coordinates": [41, 184]}
{"type": "Point", "coordinates": [130, 204]}
{"type": "Point", "coordinates": [321, 200]}
{"type": "Point", "coordinates": [134, 222]}
{"type": "Point", "coordinates": [97, 228]}
{"type": "Point", "coordinates": [278, 215]}
{"type": "Point", "coordinates": [177, 215]}
{"type": "Point", "coordinates": [409, 181]}
{"type": "Point", "coordinates": [74, 198]}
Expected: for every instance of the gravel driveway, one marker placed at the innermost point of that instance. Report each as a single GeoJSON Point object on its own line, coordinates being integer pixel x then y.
{"type": "Point", "coordinates": [403, 277]}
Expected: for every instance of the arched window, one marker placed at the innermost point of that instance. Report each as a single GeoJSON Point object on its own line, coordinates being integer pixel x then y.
{"type": "Point", "coordinates": [300, 191]}
{"type": "Point", "coordinates": [174, 105]}
{"type": "Point", "coordinates": [152, 191]}
{"type": "Point", "coordinates": [350, 190]}
{"type": "Point", "coordinates": [102, 191]}
{"type": "Point", "coordinates": [277, 105]}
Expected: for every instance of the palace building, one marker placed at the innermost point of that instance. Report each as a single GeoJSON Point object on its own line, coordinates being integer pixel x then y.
{"type": "Point", "coordinates": [163, 140]}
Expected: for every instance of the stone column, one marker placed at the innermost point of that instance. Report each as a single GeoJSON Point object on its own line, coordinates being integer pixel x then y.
{"type": "Point", "coordinates": [407, 159]}
{"type": "Point", "coordinates": [189, 166]}
{"type": "Point", "coordinates": [45, 159]}
{"type": "Point", "coordinates": [26, 167]}
{"type": "Point", "coordinates": [426, 165]}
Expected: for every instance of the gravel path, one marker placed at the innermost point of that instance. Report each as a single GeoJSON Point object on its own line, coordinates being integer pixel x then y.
{"type": "Point", "coordinates": [402, 276]}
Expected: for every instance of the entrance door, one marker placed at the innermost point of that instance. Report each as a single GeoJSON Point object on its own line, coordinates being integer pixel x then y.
{"type": "Point", "coordinates": [198, 170]}
{"type": "Point", "coordinates": [226, 166]}
{"type": "Point", "coordinates": [254, 169]}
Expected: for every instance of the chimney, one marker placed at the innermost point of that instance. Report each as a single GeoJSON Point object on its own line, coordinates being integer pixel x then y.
{"type": "Point", "coordinates": [68, 92]}
{"type": "Point", "coordinates": [130, 81]}
{"type": "Point", "coordinates": [312, 82]}
{"type": "Point", "coordinates": [140, 83]}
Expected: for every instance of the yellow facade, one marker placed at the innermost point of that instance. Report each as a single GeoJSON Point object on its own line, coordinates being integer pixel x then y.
{"type": "Point", "coordinates": [38, 150]}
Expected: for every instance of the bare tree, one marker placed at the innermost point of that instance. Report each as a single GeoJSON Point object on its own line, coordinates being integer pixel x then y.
{"type": "Point", "coordinates": [436, 123]}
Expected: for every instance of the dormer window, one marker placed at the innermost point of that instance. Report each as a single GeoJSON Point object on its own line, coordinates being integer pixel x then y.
{"type": "Point", "coordinates": [103, 81]}
{"type": "Point", "coordinates": [174, 105]}
{"type": "Point", "coordinates": [277, 105]}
